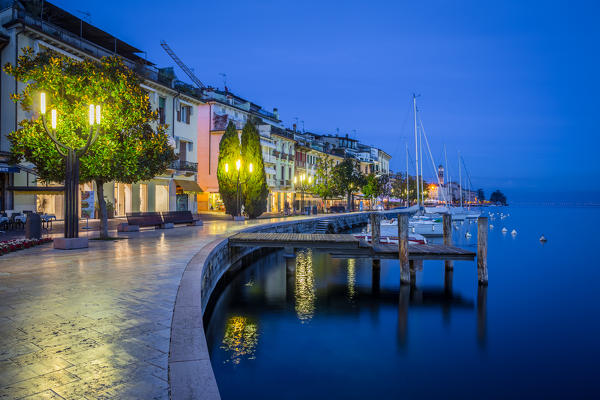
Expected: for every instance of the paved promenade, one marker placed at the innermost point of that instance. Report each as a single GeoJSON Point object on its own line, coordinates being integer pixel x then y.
{"type": "Point", "coordinates": [95, 323]}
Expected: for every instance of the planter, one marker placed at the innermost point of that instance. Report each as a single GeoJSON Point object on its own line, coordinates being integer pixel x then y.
{"type": "Point", "coordinates": [20, 244]}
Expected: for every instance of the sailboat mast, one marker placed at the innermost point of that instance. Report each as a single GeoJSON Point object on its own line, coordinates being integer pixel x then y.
{"type": "Point", "coordinates": [421, 163]}
{"type": "Point", "coordinates": [416, 148]}
{"type": "Point", "coordinates": [460, 180]}
{"type": "Point", "coordinates": [446, 173]}
{"type": "Point", "coordinates": [407, 200]}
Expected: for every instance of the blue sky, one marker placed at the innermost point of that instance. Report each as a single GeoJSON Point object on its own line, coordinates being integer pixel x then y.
{"type": "Point", "coordinates": [512, 85]}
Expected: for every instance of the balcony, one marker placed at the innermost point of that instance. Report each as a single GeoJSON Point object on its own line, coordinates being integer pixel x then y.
{"type": "Point", "coordinates": [271, 182]}
{"type": "Point", "coordinates": [188, 166]}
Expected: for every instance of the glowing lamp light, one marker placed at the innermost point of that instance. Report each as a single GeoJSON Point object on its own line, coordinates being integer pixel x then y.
{"type": "Point", "coordinates": [295, 180]}
{"type": "Point", "coordinates": [250, 167]}
{"type": "Point", "coordinates": [91, 114]}
{"type": "Point", "coordinates": [97, 114]}
{"type": "Point", "coordinates": [53, 119]}
{"type": "Point", "coordinates": [238, 164]}
{"type": "Point", "coordinates": [226, 167]}
{"type": "Point", "coordinates": [43, 103]}
{"type": "Point", "coordinates": [309, 180]}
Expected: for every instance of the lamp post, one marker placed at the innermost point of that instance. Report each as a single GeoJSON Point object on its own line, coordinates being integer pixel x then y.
{"type": "Point", "coordinates": [238, 167]}
{"type": "Point", "coordinates": [72, 156]}
{"type": "Point", "coordinates": [302, 188]}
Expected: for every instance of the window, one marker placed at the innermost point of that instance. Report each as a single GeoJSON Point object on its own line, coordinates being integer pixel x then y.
{"type": "Point", "coordinates": [186, 111]}
{"type": "Point", "coordinates": [183, 114]}
{"type": "Point", "coordinates": [161, 110]}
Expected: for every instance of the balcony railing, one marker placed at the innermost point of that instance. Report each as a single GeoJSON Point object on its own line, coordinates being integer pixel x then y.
{"type": "Point", "coordinates": [184, 166]}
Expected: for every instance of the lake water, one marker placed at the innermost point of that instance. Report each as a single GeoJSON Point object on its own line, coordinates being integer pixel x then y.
{"type": "Point", "coordinates": [321, 328]}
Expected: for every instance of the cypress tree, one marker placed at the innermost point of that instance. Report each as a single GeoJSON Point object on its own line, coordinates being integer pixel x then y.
{"type": "Point", "coordinates": [229, 153]}
{"type": "Point", "coordinates": [256, 191]}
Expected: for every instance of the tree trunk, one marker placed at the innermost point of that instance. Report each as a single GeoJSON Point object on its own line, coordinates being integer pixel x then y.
{"type": "Point", "coordinates": [349, 201]}
{"type": "Point", "coordinates": [103, 212]}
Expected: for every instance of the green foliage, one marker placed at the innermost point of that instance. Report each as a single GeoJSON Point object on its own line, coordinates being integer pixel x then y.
{"type": "Point", "coordinates": [371, 188]}
{"type": "Point", "coordinates": [498, 197]}
{"type": "Point", "coordinates": [229, 153]}
{"type": "Point", "coordinates": [398, 187]}
{"type": "Point", "coordinates": [348, 178]}
{"type": "Point", "coordinates": [324, 186]}
{"type": "Point", "coordinates": [128, 149]}
{"type": "Point", "coordinates": [255, 190]}
{"type": "Point", "coordinates": [375, 186]}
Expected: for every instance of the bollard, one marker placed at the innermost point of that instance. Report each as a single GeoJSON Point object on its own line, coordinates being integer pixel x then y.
{"type": "Point", "coordinates": [447, 221]}
{"type": "Point", "coordinates": [482, 233]}
{"type": "Point", "coordinates": [403, 248]}
{"type": "Point", "coordinates": [33, 226]}
{"type": "Point", "coordinates": [375, 228]}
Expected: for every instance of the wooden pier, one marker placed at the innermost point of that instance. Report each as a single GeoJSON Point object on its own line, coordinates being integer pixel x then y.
{"type": "Point", "coordinates": [347, 246]}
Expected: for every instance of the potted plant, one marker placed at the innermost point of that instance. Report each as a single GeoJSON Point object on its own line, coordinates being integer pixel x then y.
{"type": "Point", "coordinates": [110, 209]}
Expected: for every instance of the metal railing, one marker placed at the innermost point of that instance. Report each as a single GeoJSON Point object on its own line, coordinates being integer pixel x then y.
{"type": "Point", "coordinates": [180, 165]}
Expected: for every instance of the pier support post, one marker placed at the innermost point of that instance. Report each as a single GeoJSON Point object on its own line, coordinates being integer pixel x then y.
{"type": "Point", "coordinates": [403, 248]}
{"type": "Point", "coordinates": [447, 221]}
{"type": "Point", "coordinates": [375, 228]}
{"type": "Point", "coordinates": [376, 277]}
{"type": "Point", "coordinates": [482, 234]}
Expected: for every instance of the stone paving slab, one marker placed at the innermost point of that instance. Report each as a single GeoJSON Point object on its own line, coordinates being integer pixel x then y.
{"type": "Point", "coordinates": [95, 323]}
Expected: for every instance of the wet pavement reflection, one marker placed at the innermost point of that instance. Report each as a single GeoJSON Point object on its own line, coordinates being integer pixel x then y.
{"type": "Point", "coordinates": [95, 323]}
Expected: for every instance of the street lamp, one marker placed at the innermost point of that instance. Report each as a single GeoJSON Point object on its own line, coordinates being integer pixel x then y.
{"type": "Point", "coordinates": [72, 156]}
{"type": "Point", "coordinates": [304, 183]}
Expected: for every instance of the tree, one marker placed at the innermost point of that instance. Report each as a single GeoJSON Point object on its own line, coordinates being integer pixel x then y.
{"type": "Point", "coordinates": [371, 188]}
{"type": "Point", "coordinates": [399, 187]}
{"type": "Point", "coordinates": [480, 195]}
{"type": "Point", "coordinates": [255, 191]}
{"type": "Point", "coordinates": [323, 186]}
{"type": "Point", "coordinates": [131, 146]}
{"type": "Point", "coordinates": [348, 178]}
{"type": "Point", "coordinates": [498, 197]}
{"type": "Point", "coordinates": [229, 153]}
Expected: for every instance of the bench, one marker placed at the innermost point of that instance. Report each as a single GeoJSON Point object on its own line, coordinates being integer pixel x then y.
{"type": "Point", "coordinates": [179, 217]}
{"type": "Point", "coordinates": [142, 219]}
{"type": "Point", "coordinates": [164, 220]}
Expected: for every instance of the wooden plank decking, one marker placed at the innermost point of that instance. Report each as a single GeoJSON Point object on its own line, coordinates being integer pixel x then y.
{"type": "Point", "coordinates": [313, 240]}
{"type": "Point", "coordinates": [345, 246]}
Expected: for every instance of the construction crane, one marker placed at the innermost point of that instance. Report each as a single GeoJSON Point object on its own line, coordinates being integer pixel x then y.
{"type": "Point", "coordinates": [181, 65]}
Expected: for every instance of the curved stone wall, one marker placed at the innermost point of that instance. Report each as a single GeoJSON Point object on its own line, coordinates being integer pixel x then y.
{"type": "Point", "coordinates": [190, 372]}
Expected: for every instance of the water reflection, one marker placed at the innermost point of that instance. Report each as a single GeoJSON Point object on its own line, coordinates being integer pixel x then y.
{"type": "Point", "coordinates": [305, 285]}
{"type": "Point", "coordinates": [351, 279]}
{"type": "Point", "coordinates": [482, 315]}
{"type": "Point", "coordinates": [240, 339]}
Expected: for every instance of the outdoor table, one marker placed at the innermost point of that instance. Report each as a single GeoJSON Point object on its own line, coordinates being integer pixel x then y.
{"type": "Point", "coordinates": [47, 220]}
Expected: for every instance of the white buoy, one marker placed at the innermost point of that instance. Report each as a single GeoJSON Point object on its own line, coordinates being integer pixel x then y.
{"type": "Point", "coordinates": [504, 230]}
{"type": "Point", "coordinates": [543, 239]}
{"type": "Point", "coordinates": [468, 235]}
{"type": "Point", "coordinates": [514, 232]}
{"type": "Point", "coordinates": [491, 226]}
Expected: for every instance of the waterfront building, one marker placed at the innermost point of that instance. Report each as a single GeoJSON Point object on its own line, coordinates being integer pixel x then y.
{"type": "Point", "coordinates": [218, 109]}
{"type": "Point", "coordinates": [52, 28]}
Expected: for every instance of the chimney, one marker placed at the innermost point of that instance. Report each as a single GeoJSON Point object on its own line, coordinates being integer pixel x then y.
{"type": "Point", "coordinates": [276, 112]}
{"type": "Point", "coordinates": [294, 127]}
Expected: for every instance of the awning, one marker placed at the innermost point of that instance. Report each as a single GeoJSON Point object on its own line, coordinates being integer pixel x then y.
{"type": "Point", "coordinates": [49, 190]}
{"type": "Point", "coordinates": [9, 168]}
{"type": "Point", "coordinates": [188, 186]}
